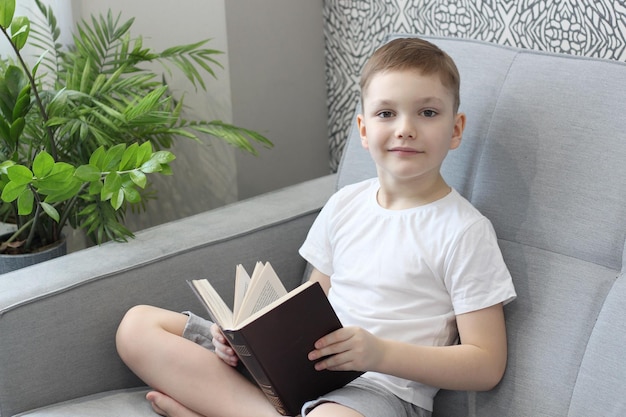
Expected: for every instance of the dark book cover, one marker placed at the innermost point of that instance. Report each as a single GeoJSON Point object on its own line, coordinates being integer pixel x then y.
{"type": "Point", "coordinates": [275, 349]}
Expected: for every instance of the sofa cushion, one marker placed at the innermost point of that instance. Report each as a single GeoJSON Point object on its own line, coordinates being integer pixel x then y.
{"type": "Point", "coordinates": [130, 402]}
{"type": "Point", "coordinates": [600, 388]}
{"type": "Point", "coordinates": [548, 327]}
{"type": "Point", "coordinates": [552, 172]}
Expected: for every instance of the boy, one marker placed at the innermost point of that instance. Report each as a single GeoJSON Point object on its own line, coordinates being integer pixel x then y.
{"type": "Point", "coordinates": [409, 265]}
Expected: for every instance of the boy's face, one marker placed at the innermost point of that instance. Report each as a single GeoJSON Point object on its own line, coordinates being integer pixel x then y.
{"type": "Point", "coordinates": [409, 125]}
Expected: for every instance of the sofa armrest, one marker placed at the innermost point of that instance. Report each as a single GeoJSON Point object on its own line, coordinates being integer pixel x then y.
{"type": "Point", "coordinates": [58, 319]}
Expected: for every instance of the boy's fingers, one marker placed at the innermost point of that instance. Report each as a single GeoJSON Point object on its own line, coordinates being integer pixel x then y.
{"type": "Point", "coordinates": [335, 363]}
{"type": "Point", "coordinates": [332, 338]}
{"type": "Point", "coordinates": [331, 350]}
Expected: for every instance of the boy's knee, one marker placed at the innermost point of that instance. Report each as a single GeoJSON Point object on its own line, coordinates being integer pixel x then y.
{"type": "Point", "coordinates": [136, 317]}
{"type": "Point", "coordinates": [129, 331]}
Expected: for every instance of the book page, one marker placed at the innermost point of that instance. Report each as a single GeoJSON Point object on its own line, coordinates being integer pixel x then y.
{"type": "Point", "coordinates": [264, 309]}
{"type": "Point", "coordinates": [217, 308]}
{"type": "Point", "coordinates": [265, 288]}
{"type": "Point", "coordinates": [258, 268]}
{"type": "Point", "coordinates": [242, 281]}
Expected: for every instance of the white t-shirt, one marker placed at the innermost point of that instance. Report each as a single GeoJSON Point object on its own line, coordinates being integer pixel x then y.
{"type": "Point", "coordinates": [405, 274]}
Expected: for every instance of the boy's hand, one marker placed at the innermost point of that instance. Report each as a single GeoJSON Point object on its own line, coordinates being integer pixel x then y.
{"type": "Point", "coordinates": [348, 349]}
{"type": "Point", "coordinates": [222, 348]}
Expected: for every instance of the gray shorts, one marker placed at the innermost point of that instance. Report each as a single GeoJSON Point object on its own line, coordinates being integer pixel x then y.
{"type": "Point", "coordinates": [370, 399]}
{"type": "Point", "coordinates": [362, 395]}
{"type": "Point", "coordinates": [198, 330]}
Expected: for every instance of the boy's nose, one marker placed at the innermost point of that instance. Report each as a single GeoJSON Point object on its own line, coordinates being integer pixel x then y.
{"type": "Point", "coordinates": [405, 129]}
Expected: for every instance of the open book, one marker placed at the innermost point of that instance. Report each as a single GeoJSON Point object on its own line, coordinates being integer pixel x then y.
{"type": "Point", "coordinates": [272, 331]}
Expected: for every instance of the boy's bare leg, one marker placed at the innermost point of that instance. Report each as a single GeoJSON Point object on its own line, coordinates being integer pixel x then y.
{"type": "Point", "coordinates": [149, 341]}
{"type": "Point", "coordinates": [168, 407]}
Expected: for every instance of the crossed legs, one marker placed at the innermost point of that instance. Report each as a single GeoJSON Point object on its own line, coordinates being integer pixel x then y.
{"type": "Point", "coordinates": [189, 380]}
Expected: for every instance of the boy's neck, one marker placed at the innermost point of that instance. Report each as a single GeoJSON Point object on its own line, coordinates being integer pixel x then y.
{"type": "Point", "coordinates": [401, 196]}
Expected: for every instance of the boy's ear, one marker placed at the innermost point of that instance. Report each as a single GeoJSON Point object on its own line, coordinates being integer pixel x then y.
{"type": "Point", "coordinates": [457, 133]}
{"type": "Point", "coordinates": [362, 132]}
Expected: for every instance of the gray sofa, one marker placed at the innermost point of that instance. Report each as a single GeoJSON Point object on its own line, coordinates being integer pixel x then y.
{"type": "Point", "coordinates": [544, 157]}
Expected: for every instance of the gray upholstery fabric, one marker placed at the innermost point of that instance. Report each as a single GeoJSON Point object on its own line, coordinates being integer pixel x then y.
{"type": "Point", "coordinates": [548, 329]}
{"type": "Point", "coordinates": [355, 164]}
{"type": "Point", "coordinates": [120, 403]}
{"type": "Point", "coordinates": [552, 174]}
{"type": "Point", "coordinates": [542, 156]}
{"type": "Point", "coordinates": [600, 389]}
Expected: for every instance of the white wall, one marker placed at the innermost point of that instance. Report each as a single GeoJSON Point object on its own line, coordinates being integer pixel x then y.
{"type": "Point", "coordinates": [276, 54]}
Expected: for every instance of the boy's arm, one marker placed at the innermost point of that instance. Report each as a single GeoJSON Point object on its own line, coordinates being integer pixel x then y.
{"type": "Point", "coordinates": [323, 279]}
{"type": "Point", "coordinates": [476, 364]}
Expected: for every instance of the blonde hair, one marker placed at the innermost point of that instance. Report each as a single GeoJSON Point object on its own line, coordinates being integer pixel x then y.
{"type": "Point", "coordinates": [413, 54]}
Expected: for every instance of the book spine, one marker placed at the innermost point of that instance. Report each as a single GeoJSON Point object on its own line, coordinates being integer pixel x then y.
{"type": "Point", "coordinates": [239, 345]}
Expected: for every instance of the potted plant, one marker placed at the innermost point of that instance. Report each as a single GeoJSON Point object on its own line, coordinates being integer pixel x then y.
{"type": "Point", "coordinates": [82, 127]}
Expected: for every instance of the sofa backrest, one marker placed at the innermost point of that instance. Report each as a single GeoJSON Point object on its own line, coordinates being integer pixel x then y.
{"type": "Point", "coordinates": [544, 158]}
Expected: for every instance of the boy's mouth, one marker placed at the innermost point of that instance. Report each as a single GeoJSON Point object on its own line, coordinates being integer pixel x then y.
{"type": "Point", "coordinates": [402, 149]}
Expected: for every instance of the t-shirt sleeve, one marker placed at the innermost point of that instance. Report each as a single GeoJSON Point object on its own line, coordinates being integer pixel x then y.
{"type": "Point", "coordinates": [316, 249]}
{"type": "Point", "coordinates": [476, 276]}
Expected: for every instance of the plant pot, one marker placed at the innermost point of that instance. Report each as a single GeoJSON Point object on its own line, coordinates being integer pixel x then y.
{"type": "Point", "coordinates": [10, 263]}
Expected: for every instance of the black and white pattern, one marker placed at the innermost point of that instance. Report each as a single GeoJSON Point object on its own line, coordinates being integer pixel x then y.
{"type": "Point", "coordinates": [354, 28]}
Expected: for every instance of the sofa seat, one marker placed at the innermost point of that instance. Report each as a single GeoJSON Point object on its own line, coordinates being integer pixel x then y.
{"type": "Point", "coordinates": [118, 403]}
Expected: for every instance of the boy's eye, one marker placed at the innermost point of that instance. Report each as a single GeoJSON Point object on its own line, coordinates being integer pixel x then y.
{"type": "Point", "coordinates": [429, 113]}
{"type": "Point", "coordinates": [384, 114]}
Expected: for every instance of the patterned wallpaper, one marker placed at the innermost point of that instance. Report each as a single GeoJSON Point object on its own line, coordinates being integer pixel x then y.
{"type": "Point", "coordinates": [354, 28]}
